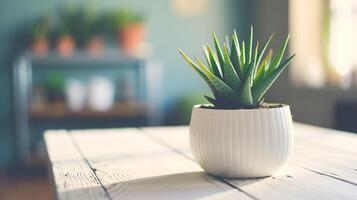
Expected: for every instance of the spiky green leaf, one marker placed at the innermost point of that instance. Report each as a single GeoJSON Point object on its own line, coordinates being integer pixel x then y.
{"type": "Point", "coordinates": [214, 63]}
{"type": "Point", "coordinates": [229, 74]}
{"type": "Point", "coordinates": [237, 46]}
{"type": "Point", "coordinates": [261, 54]}
{"type": "Point", "coordinates": [234, 57]}
{"type": "Point", "coordinates": [201, 74]}
{"type": "Point", "coordinates": [263, 67]}
{"type": "Point", "coordinates": [279, 55]}
{"type": "Point", "coordinates": [255, 66]}
{"type": "Point", "coordinates": [260, 89]}
{"type": "Point", "coordinates": [242, 57]}
{"type": "Point", "coordinates": [249, 72]}
{"type": "Point", "coordinates": [205, 50]}
{"type": "Point", "coordinates": [218, 49]}
{"type": "Point", "coordinates": [211, 100]}
{"type": "Point", "coordinates": [246, 96]}
{"type": "Point", "coordinates": [250, 47]}
{"type": "Point", "coordinates": [227, 43]}
{"type": "Point", "coordinates": [268, 63]}
{"type": "Point", "coordinates": [219, 87]}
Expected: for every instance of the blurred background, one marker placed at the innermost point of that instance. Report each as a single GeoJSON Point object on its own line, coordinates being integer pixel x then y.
{"type": "Point", "coordinates": [113, 63]}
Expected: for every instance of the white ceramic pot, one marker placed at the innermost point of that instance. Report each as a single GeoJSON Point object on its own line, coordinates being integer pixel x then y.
{"type": "Point", "coordinates": [241, 143]}
{"type": "Point", "coordinates": [75, 95]}
{"type": "Point", "coordinates": [101, 93]}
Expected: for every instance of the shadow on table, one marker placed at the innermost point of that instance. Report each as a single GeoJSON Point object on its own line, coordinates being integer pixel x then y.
{"type": "Point", "coordinates": [189, 185]}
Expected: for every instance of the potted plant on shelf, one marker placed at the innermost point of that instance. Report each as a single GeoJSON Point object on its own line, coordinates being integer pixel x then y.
{"type": "Point", "coordinates": [65, 45]}
{"type": "Point", "coordinates": [55, 85]}
{"type": "Point", "coordinates": [130, 29]}
{"type": "Point", "coordinates": [85, 31]}
{"type": "Point", "coordinates": [239, 136]}
{"type": "Point", "coordinates": [95, 43]}
{"type": "Point", "coordinates": [39, 36]}
{"type": "Point", "coordinates": [67, 22]}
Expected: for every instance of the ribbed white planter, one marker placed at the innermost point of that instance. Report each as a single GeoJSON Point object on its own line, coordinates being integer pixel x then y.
{"type": "Point", "coordinates": [241, 143]}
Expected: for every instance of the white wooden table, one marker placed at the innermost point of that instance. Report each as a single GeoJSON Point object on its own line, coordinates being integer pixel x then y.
{"type": "Point", "coordinates": [156, 163]}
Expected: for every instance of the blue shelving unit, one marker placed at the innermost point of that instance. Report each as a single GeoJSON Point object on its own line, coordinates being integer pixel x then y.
{"type": "Point", "coordinates": [27, 67]}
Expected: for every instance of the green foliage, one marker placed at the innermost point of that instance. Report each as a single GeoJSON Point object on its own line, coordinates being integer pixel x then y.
{"type": "Point", "coordinates": [78, 22]}
{"type": "Point", "coordinates": [123, 17]}
{"type": "Point", "coordinates": [55, 82]}
{"type": "Point", "coordinates": [239, 78]}
{"type": "Point", "coordinates": [40, 28]}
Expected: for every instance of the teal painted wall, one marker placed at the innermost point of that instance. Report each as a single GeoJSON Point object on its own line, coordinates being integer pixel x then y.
{"type": "Point", "coordinates": [166, 32]}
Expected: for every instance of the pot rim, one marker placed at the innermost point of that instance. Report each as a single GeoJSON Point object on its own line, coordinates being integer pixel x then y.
{"type": "Point", "coordinates": [198, 107]}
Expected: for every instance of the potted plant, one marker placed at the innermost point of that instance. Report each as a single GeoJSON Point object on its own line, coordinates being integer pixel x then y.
{"type": "Point", "coordinates": [67, 22]}
{"type": "Point", "coordinates": [65, 45]}
{"type": "Point", "coordinates": [55, 87]}
{"type": "Point", "coordinates": [130, 30]}
{"type": "Point", "coordinates": [239, 136]}
{"type": "Point", "coordinates": [95, 43]}
{"type": "Point", "coordinates": [39, 36]}
{"type": "Point", "coordinates": [85, 31]}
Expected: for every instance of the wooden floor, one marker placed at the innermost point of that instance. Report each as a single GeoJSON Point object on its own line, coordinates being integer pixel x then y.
{"type": "Point", "coordinates": [28, 186]}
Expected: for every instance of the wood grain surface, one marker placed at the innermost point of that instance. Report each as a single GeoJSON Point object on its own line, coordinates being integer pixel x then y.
{"type": "Point", "coordinates": [156, 163]}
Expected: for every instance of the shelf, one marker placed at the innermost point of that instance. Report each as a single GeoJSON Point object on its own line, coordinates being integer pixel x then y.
{"type": "Point", "coordinates": [111, 58]}
{"type": "Point", "coordinates": [60, 111]}
{"type": "Point", "coordinates": [37, 118]}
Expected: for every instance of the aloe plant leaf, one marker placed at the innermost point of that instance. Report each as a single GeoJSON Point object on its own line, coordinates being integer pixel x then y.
{"type": "Point", "coordinates": [218, 49]}
{"type": "Point", "coordinates": [261, 54]}
{"type": "Point", "coordinates": [260, 89]}
{"type": "Point", "coordinates": [262, 67]}
{"type": "Point", "coordinates": [242, 57]}
{"type": "Point", "coordinates": [201, 74]}
{"type": "Point", "coordinates": [250, 47]}
{"type": "Point", "coordinates": [229, 74]}
{"type": "Point", "coordinates": [234, 57]}
{"type": "Point", "coordinates": [267, 63]}
{"type": "Point", "coordinates": [214, 63]}
{"type": "Point", "coordinates": [255, 66]}
{"type": "Point", "coordinates": [249, 72]}
{"type": "Point", "coordinates": [227, 43]}
{"type": "Point", "coordinates": [207, 58]}
{"type": "Point", "coordinates": [211, 100]}
{"type": "Point", "coordinates": [246, 97]}
{"type": "Point", "coordinates": [279, 55]}
{"type": "Point", "coordinates": [221, 88]}
{"type": "Point", "coordinates": [237, 46]}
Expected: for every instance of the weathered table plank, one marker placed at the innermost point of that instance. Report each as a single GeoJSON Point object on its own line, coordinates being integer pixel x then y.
{"type": "Point", "coordinates": [325, 151]}
{"type": "Point", "coordinates": [72, 176]}
{"type": "Point", "coordinates": [156, 163]}
{"type": "Point", "coordinates": [322, 167]}
{"type": "Point", "coordinates": [132, 166]}
{"type": "Point", "coordinates": [327, 137]}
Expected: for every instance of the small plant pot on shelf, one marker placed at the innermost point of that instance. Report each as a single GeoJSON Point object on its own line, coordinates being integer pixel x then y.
{"type": "Point", "coordinates": [241, 143]}
{"type": "Point", "coordinates": [65, 46]}
{"type": "Point", "coordinates": [39, 47]}
{"type": "Point", "coordinates": [95, 46]}
{"type": "Point", "coordinates": [131, 36]}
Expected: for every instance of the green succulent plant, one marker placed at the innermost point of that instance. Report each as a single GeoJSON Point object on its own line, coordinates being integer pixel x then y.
{"type": "Point", "coordinates": [78, 22]}
{"type": "Point", "coordinates": [239, 75]}
{"type": "Point", "coordinates": [40, 28]}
